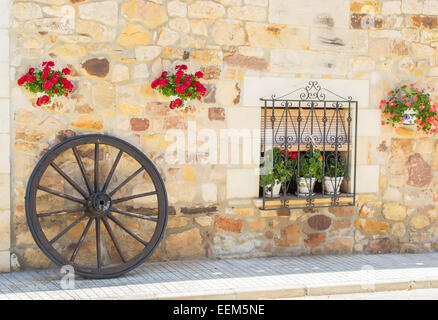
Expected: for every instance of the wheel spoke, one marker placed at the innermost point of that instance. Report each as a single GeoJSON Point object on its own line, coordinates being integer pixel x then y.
{"type": "Point", "coordinates": [98, 251]}
{"type": "Point", "coordinates": [132, 214]}
{"type": "Point", "coordinates": [69, 180]}
{"type": "Point", "coordinates": [121, 225]}
{"type": "Point", "coordinates": [146, 194]}
{"type": "Point", "coordinates": [60, 194]}
{"type": "Point", "coordinates": [96, 167]}
{"type": "Point", "coordinates": [73, 256]}
{"type": "Point", "coordinates": [113, 168]}
{"type": "Point", "coordinates": [81, 166]}
{"type": "Point", "coordinates": [59, 235]}
{"type": "Point", "coordinates": [132, 176]}
{"type": "Point", "coordinates": [45, 214]}
{"type": "Point", "coordinates": [113, 238]}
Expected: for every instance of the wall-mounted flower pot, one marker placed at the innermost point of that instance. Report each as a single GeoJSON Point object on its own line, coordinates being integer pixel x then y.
{"type": "Point", "coordinates": [52, 99]}
{"type": "Point", "coordinates": [330, 183]}
{"type": "Point", "coordinates": [305, 186]}
{"type": "Point", "coordinates": [184, 102]}
{"type": "Point", "coordinates": [275, 190]}
{"type": "Point", "coordinates": [409, 117]}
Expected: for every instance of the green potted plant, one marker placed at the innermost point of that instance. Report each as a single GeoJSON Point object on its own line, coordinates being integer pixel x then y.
{"type": "Point", "coordinates": [310, 171]}
{"type": "Point", "coordinates": [334, 175]}
{"type": "Point", "coordinates": [409, 105]}
{"type": "Point", "coordinates": [281, 170]}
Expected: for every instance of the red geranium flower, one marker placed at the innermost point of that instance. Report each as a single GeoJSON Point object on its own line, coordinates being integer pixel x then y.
{"type": "Point", "coordinates": [66, 71]}
{"type": "Point", "coordinates": [48, 85]}
{"type": "Point", "coordinates": [177, 103]}
{"type": "Point", "coordinates": [199, 74]}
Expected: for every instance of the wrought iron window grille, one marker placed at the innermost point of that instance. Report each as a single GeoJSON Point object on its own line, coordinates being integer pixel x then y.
{"type": "Point", "coordinates": [300, 123]}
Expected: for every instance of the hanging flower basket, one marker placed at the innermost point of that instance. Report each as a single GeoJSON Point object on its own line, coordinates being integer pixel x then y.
{"type": "Point", "coordinates": [409, 105]}
{"type": "Point", "coordinates": [46, 83]}
{"type": "Point", "coordinates": [180, 87]}
{"type": "Point", "coordinates": [409, 117]}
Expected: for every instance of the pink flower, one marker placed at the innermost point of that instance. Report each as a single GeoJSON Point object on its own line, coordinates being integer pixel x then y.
{"type": "Point", "coordinates": [421, 107]}
{"type": "Point", "coordinates": [408, 104]}
{"type": "Point", "coordinates": [415, 99]}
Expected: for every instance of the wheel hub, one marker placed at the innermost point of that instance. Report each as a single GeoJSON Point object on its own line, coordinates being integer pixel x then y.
{"type": "Point", "coordinates": [100, 203]}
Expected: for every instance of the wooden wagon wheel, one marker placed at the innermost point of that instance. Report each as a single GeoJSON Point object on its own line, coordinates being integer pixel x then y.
{"type": "Point", "coordinates": [98, 198]}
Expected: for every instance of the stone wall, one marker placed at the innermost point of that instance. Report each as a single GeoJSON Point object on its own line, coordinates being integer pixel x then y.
{"type": "Point", "coordinates": [115, 48]}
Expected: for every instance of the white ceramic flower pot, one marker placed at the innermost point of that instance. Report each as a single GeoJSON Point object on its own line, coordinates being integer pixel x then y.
{"type": "Point", "coordinates": [409, 117]}
{"type": "Point", "coordinates": [52, 99]}
{"type": "Point", "coordinates": [275, 190]}
{"type": "Point", "coordinates": [305, 186]}
{"type": "Point", "coordinates": [184, 104]}
{"type": "Point", "coordinates": [330, 183]}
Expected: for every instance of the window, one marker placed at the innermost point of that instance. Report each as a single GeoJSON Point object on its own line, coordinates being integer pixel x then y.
{"type": "Point", "coordinates": [308, 147]}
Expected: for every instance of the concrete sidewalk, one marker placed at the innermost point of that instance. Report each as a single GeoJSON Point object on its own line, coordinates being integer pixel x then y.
{"type": "Point", "coordinates": [257, 278]}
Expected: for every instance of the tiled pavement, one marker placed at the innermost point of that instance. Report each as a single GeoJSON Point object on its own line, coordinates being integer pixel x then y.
{"type": "Point", "coordinates": [277, 277]}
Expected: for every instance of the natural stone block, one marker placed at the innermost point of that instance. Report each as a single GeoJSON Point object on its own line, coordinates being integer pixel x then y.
{"type": "Point", "coordinates": [120, 73]}
{"type": "Point", "coordinates": [290, 236]}
{"type": "Point", "coordinates": [398, 229]}
{"type": "Point", "coordinates": [402, 147]}
{"type": "Point", "coordinates": [68, 50]}
{"type": "Point", "coordinates": [371, 226]}
{"type": "Point", "coordinates": [147, 53]}
{"type": "Point", "coordinates": [97, 31]}
{"type": "Point", "coordinates": [129, 109]}
{"type": "Point", "coordinates": [426, 22]}
{"type": "Point", "coordinates": [180, 191]}
{"type": "Point", "coordinates": [98, 67]}
{"type": "Point", "coordinates": [216, 114]}
{"type": "Point", "coordinates": [146, 12]}
{"type": "Point", "coordinates": [206, 10]}
{"type": "Point", "coordinates": [246, 62]}
{"type": "Point", "coordinates": [342, 211]}
{"type": "Point", "coordinates": [105, 12]}
{"type": "Point", "coordinates": [167, 37]}
{"type": "Point", "coordinates": [177, 222]}
{"type": "Point", "coordinates": [227, 93]}
{"type": "Point", "coordinates": [188, 174]}
{"type": "Point", "coordinates": [26, 11]}
{"type": "Point", "coordinates": [177, 8]}
{"type": "Point", "coordinates": [319, 222]}
{"type": "Point", "coordinates": [367, 178]}
{"type": "Point", "coordinates": [412, 6]}
{"type": "Point", "coordinates": [209, 192]}
{"type": "Point", "coordinates": [384, 245]}
{"type": "Point", "coordinates": [199, 27]}
{"type": "Point", "coordinates": [394, 212]}
{"type": "Point", "coordinates": [340, 246]}
{"type": "Point", "coordinates": [187, 244]}
{"type": "Point", "coordinates": [248, 13]}
{"type": "Point", "coordinates": [244, 212]}
{"type": "Point", "coordinates": [199, 210]}
{"type": "Point", "coordinates": [430, 7]}
{"type": "Point", "coordinates": [283, 36]}
{"type": "Point", "coordinates": [339, 40]}
{"type": "Point", "coordinates": [419, 222]}
{"type": "Point", "coordinates": [228, 32]}
{"type": "Point", "coordinates": [391, 7]}
{"type": "Point", "coordinates": [180, 24]}
{"type": "Point", "coordinates": [365, 6]}
{"type": "Point", "coordinates": [342, 224]}
{"type": "Point", "coordinates": [228, 224]}
{"type": "Point", "coordinates": [256, 225]}
{"type": "Point", "coordinates": [315, 239]}
{"type": "Point", "coordinates": [175, 122]}
{"type": "Point", "coordinates": [134, 35]}
{"type": "Point", "coordinates": [331, 14]}
{"type": "Point", "coordinates": [88, 123]}
{"type": "Point", "coordinates": [303, 61]}
{"type": "Point", "coordinates": [204, 221]}
{"type": "Point", "coordinates": [420, 172]}
{"type": "Point", "coordinates": [139, 124]}
{"type": "Point", "coordinates": [5, 261]}
{"type": "Point", "coordinates": [207, 56]}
